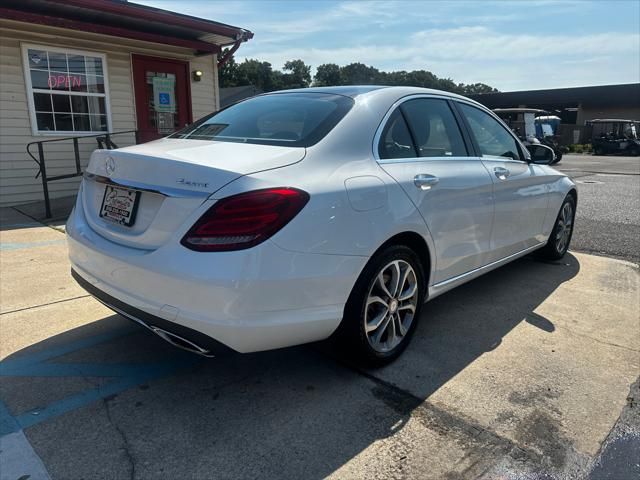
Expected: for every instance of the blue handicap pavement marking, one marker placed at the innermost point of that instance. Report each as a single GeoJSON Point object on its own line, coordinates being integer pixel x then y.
{"type": "Point", "coordinates": [21, 245]}
{"type": "Point", "coordinates": [124, 376]}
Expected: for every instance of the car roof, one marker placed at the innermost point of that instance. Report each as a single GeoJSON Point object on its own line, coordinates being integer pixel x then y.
{"type": "Point", "coordinates": [346, 90]}
{"type": "Point", "coordinates": [354, 91]}
{"type": "Point", "coordinates": [519, 110]}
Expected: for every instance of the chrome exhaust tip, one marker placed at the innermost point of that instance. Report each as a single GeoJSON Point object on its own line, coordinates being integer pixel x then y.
{"type": "Point", "coordinates": [180, 342]}
{"type": "Point", "coordinates": [172, 338]}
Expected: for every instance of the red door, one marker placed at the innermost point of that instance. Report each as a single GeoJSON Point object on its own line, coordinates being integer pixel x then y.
{"type": "Point", "coordinates": [163, 96]}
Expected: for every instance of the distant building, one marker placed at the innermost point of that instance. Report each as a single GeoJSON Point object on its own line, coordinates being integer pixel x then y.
{"type": "Point", "coordinates": [85, 67]}
{"type": "Point", "coordinates": [574, 106]}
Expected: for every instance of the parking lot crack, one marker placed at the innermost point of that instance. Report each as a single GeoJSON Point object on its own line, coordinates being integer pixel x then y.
{"type": "Point", "coordinates": [483, 444]}
{"type": "Point", "coordinates": [45, 304]}
{"type": "Point", "coordinates": [126, 447]}
{"type": "Point", "coordinates": [597, 340]}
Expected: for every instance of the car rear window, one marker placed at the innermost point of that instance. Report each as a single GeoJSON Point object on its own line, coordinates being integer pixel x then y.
{"type": "Point", "coordinates": [286, 119]}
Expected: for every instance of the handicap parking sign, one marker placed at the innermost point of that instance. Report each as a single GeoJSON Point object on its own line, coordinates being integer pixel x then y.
{"type": "Point", "coordinates": [164, 94]}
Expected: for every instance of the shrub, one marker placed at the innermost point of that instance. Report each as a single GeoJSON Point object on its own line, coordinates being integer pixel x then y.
{"type": "Point", "coordinates": [579, 148]}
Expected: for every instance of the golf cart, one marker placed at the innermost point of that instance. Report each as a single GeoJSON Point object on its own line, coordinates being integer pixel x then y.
{"type": "Point", "coordinates": [611, 135]}
{"type": "Point", "coordinates": [533, 126]}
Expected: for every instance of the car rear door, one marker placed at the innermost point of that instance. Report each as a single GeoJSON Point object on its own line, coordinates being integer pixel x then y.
{"type": "Point", "coordinates": [423, 148]}
{"type": "Point", "coordinates": [520, 188]}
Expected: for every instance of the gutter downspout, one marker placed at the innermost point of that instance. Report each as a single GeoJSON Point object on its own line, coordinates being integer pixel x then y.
{"type": "Point", "coordinates": [227, 56]}
{"type": "Point", "coordinates": [240, 38]}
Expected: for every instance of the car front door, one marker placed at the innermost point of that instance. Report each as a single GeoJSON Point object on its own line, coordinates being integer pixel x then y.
{"type": "Point", "coordinates": [423, 148]}
{"type": "Point", "coordinates": [520, 188]}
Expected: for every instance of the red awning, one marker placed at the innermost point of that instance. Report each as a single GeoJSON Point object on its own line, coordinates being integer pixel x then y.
{"type": "Point", "coordinates": [127, 20]}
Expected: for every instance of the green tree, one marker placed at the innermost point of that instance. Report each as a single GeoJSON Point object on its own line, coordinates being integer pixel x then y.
{"type": "Point", "coordinates": [277, 80]}
{"type": "Point", "coordinates": [399, 78]}
{"type": "Point", "coordinates": [327, 75]}
{"type": "Point", "coordinates": [228, 73]}
{"type": "Point", "coordinates": [421, 78]}
{"type": "Point", "coordinates": [474, 88]}
{"type": "Point", "coordinates": [256, 73]}
{"type": "Point", "coordinates": [359, 74]}
{"type": "Point", "coordinates": [297, 74]}
{"type": "Point", "coordinates": [447, 85]}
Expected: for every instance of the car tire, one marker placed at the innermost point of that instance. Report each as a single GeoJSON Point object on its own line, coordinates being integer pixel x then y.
{"type": "Point", "coordinates": [372, 296]}
{"type": "Point", "coordinates": [560, 237]}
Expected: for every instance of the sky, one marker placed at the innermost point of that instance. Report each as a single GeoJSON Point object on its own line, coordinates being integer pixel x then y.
{"type": "Point", "coordinates": [510, 45]}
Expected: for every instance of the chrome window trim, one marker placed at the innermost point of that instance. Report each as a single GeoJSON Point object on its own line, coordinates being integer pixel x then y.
{"type": "Point", "coordinates": [387, 161]}
{"type": "Point", "coordinates": [383, 124]}
{"type": "Point", "coordinates": [397, 103]}
{"type": "Point", "coordinates": [525, 152]}
{"type": "Point", "coordinates": [144, 187]}
{"type": "Point", "coordinates": [504, 159]}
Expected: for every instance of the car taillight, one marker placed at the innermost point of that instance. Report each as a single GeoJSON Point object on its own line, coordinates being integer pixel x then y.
{"type": "Point", "coordinates": [244, 220]}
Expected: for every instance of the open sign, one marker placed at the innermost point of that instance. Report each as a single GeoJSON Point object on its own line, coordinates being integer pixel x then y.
{"type": "Point", "coordinates": [59, 81]}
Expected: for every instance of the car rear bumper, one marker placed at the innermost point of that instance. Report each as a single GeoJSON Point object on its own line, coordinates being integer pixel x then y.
{"type": "Point", "coordinates": [251, 300]}
{"type": "Point", "coordinates": [172, 332]}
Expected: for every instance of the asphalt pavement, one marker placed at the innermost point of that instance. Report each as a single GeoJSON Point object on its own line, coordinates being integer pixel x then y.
{"type": "Point", "coordinates": [608, 223]}
{"type": "Point", "coordinates": [608, 215]}
{"type": "Point", "coordinates": [530, 372]}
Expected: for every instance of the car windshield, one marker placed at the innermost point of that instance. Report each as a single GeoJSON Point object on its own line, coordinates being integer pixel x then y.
{"type": "Point", "coordinates": [286, 119]}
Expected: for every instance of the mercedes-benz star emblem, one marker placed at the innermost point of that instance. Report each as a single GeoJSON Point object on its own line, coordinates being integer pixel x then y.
{"type": "Point", "coordinates": [110, 165]}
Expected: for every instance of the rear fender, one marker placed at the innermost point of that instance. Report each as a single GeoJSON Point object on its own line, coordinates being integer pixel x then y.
{"type": "Point", "coordinates": [334, 222]}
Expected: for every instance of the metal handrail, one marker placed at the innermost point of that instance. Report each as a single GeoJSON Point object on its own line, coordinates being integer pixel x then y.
{"type": "Point", "coordinates": [103, 139]}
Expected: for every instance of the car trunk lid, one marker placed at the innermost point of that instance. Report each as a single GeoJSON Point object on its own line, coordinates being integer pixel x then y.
{"type": "Point", "coordinates": [173, 177]}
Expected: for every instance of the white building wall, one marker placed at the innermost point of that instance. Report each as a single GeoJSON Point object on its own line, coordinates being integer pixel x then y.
{"type": "Point", "coordinates": [17, 169]}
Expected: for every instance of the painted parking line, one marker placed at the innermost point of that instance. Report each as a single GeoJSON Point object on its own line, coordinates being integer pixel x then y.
{"type": "Point", "coordinates": [58, 351]}
{"type": "Point", "coordinates": [22, 245]}
{"type": "Point", "coordinates": [18, 460]}
{"type": "Point", "coordinates": [123, 375]}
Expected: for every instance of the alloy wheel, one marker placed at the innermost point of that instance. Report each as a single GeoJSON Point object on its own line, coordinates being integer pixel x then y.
{"type": "Point", "coordinates": [565, 224]}
{"type": "Point", "coordinates": [391, 306]}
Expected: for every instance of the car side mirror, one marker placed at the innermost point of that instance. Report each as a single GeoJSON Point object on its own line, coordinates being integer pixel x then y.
{"type": "Point", "coordinates": [541, 154]}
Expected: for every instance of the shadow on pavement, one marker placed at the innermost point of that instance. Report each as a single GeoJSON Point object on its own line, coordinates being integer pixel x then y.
{"type": "Point", "coordinates": [60, 210]}
{"type": "Point", "coordinates": [32, 215]}
{"type": "Point", "coordinates": [459, 326]}
{"type": "Point", "coordinates": [11, 219]}
{"type": "Point", "coordinates": [292, 413]}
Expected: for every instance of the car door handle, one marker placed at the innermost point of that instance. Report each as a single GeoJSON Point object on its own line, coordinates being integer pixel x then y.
{"type": "Point", "coordinates": [424, 181]}
{"type": "Point", "coordinates": [501, 172]}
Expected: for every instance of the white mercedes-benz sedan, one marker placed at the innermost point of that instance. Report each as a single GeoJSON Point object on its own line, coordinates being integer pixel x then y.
{"type": "Point", "coordinates": [299, 215]}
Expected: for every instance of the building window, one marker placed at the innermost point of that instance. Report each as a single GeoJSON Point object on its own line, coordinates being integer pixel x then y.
{"type": "Point", "coordinates": [67, 90]}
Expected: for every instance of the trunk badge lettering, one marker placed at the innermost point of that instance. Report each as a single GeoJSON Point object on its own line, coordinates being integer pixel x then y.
{"type": "Point", "coordinates": [191, 183]}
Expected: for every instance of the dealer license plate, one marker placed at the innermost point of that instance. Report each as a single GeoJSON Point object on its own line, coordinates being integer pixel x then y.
{"type": "Point", "coordinates": [119, 205]}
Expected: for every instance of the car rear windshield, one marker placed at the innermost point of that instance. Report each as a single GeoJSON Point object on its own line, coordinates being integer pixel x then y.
{"type": "Point", "coordinates": [286, 119]}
